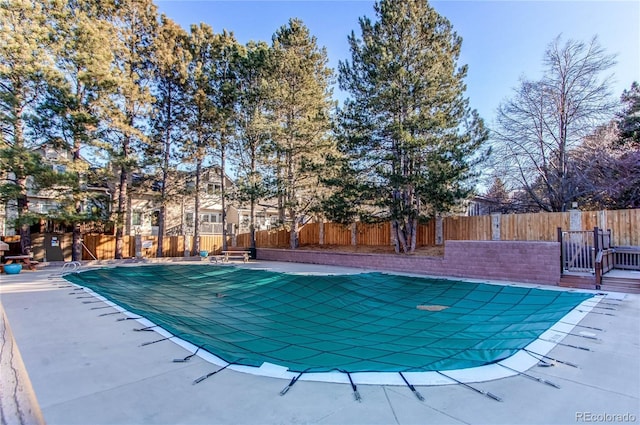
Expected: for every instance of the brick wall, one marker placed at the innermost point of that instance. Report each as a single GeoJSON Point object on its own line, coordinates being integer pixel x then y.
{"type": "Point", "coordinates": [520, 261]}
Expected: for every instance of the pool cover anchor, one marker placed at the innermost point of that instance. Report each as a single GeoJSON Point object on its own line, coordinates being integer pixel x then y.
{"type": "Point", "coordinates": [209, 375]}
{"type": "Point", "coordinates": [534, 378]}
{"type": "Point", "coordinates": [293, 381]}
{"type": "Point", "coordinates": [583, 326]}
{"type": "Point", "coordinates": [596, 312]}
{"type": "Point", "coordinates": [186, 359]}
{"type": "Point", "coordinates": [412, 388]}
{"type": "Point", "coordinates": [101, 308]}
{"type": "Point", "coordinates": [356, 394]}
{"type": "Point", "coordinates": [144, 344]}
{"type": "Point", "coordinates": [592, 337]}
{"type": "Point", "coordinates": [542, 357]}
{"type": "Point", "coordinates": [147, 329]}
{"type": "Point", "coordinates": [110, 314]}
{"type": "Point", "coordinates": [567, 345]}
{"type": "Point", "coordinates": [487, 393]}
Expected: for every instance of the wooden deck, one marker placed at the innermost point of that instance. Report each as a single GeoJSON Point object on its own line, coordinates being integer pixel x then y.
{"type": "Point", "coordinates": [615, 280]}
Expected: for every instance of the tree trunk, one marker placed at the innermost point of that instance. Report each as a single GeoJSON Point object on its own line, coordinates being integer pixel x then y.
{"type": "Point", "coordinates": [252, 206]}
{"type": "Point", "coordinates": [196, 212]}
{"type": "Point", "coordinates": [294, 242]}
{"type": "Point", "coordinates": [252, 224]}
{"type": "Point", "coordinates": [161, 230]}
{"type": "Point", "coordinates": [163, 194]}
{"type": "Point", "coordinates": [401, 236]}
{"type": "Point", "coordinates": [120, 213]}
{"type": "Point", "coordinates": [25, 239]}
{"type": "Point", "coordinates": [76, 250]}
{"type": "Point", "coordinates": [394, 233]}
{"type": "Point", "coordinates": [414, 234]}
{"type": "Point", "coordinates": [222, 189]}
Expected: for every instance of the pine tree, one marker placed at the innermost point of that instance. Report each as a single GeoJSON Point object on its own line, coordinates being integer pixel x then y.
{"type": "Point", "coordinates": [25, 67]}
{"type": "Point", "coordinates": [252, 68]}
{"type": "Point", "coordinates": [498, 196]}
{"type": "Point", "coordinates": [301, 105]}
{"type": "Point", "coordinates": [629, 119]}
{"type": "Point", "coordinates": [136, 23]}
{"type": "Point", "coordinates": [407, 130]}
{"type": "Point", "coordinates": [200, 115]}
{"type": "Point", "coordinates": [171, 61]}
{"type": "Point", "coordinates": [72, 114]}
{"type": "Point", "coordinates": [224, 95]}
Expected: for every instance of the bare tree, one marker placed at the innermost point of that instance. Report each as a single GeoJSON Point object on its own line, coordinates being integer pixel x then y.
{"type": "Point", "coordinates": [537, 128]}
{"type": "Point", "coordinates": [607, 164]}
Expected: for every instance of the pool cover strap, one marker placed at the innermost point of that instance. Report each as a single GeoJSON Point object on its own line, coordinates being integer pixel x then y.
{"type": "Point", "coordinates": [370, 322]}
{"type": "Point", "coordinates": [209, 375]}
{"type": "Point", "coordinates": [411, 387]}
{"type": "Point", "coordinates": [293, 381]}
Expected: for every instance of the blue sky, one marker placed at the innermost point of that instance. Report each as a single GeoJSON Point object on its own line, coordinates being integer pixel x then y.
{"type": "Point", "coordinates": [502, 40]}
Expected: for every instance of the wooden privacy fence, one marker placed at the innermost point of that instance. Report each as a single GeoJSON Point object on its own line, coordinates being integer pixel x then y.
{"type": "Point", "coordinates": [624, 226]}
{"type": "Point", "coordinates": [104, 246]}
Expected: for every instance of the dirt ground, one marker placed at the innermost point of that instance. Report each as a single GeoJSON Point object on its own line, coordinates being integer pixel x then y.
{"type": "Point", "coordinates": [425, 251]}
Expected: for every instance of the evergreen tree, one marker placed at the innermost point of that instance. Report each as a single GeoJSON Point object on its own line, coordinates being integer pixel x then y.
{"type": "Point", "coordinates": [25, 67]}
{"type": "Point", "coordinates": [252, 68]}
{"type": "Point", "coordinates": [629, 123]}
{"type": "Point", "coordinates": [76, 103]}
{"type": "Point", "coordinates": [300, 104]}
{"type": "Point", "coordinates": [224, 96]}
{"type": "Point", "coordinates": [407, 130]}
{"type": "Point", "coordinates": [498, 196]}
{"type": "Point", "coordinates": [200, 116]}
{"type": "Point", "coordinates": [171, 61]}
{"type": "Point", "coordinates": [136, 23]}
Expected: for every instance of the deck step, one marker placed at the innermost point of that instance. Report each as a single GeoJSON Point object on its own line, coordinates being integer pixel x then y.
{"type": "Point", "coordinates": [577, 281]}
{"type": "Point", "coordinates": [621, 284]}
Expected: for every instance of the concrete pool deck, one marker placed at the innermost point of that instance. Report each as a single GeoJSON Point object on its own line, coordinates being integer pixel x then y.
{"type": "Point", "coordinates": [92, 369]}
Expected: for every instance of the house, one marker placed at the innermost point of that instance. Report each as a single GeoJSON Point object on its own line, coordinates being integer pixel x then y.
{"type": "Point", "coordinates": [49, 200]}
{"type": "Point", "coordinates": [144, 207]}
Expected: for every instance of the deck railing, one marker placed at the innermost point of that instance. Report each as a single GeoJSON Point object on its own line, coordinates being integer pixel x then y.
{"type": "Point", "coordinates": [578, 251]}
{"type": "Point", "coordinates": [626, 258]}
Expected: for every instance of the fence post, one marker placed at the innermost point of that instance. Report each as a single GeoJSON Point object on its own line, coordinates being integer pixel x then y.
{"type": "Point", "coordinates": [439, 232]}
{"type": "Point", "coordinates": [575, 220]}
{"type": "Point", "coordinates": [561, 250]}
{"type": "Point", "coordinates": [597, 258]}
{"type": "Point", "coordinates": [321, 232]}
{"type": "Point", "coordinates": [495, 226]}
{"type": "Point", "coordinates": [187, 246]}
{"type": "Point", "coordinates": [354, 234]}
{"type": "Point", "coordinates": [138, 245]}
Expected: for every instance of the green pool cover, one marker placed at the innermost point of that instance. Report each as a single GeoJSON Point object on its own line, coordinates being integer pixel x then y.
{"type": "Point", "coordinates": [352, 323]}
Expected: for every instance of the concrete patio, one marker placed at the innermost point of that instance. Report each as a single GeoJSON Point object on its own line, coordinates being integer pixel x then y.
{"type": "Point", "coordinates": [88, 368]}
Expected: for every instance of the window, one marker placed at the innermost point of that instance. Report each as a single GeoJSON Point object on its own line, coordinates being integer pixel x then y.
{"type": "Point", "coordinates": [155, 218]}
{"type": "Point", "coordinates": [211, 218]}
{"type": "Point", "coordinates": [213, 188]}
{"type": "Point", "coordinates": [51, 154]}
{"type": "Point", "coordinates": [189, 219]}
{"type": "Point", "coordinates": [136, 218]}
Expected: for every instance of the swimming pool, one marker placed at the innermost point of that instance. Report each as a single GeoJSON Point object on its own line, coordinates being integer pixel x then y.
{"type": "Point", "coordinates": [369, 322]}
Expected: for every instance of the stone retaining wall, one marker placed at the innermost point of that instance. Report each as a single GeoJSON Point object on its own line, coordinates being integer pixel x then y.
{"type": "Point", "coordinates": [519, 261]}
